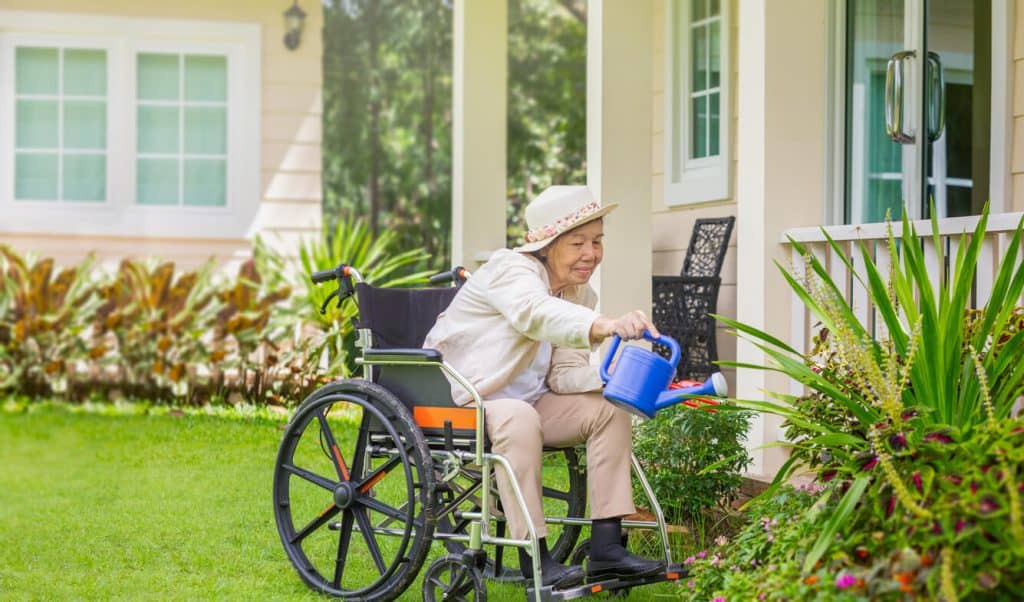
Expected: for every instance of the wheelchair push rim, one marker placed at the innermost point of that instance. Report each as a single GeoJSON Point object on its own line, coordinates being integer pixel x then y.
{"type": "Point", "coordinates": [352, 488]}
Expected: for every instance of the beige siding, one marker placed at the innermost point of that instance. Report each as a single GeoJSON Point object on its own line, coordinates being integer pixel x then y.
{"type": "Point", "coordinates": [1017, 157]}
{"type": "Point", "coordinates": [671, 225]}
{"type": "Point", "coordinates": [290, 189]}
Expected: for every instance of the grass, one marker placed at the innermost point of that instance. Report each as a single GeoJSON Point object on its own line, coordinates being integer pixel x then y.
{"type": "Point", "coordinates": [136, 505]}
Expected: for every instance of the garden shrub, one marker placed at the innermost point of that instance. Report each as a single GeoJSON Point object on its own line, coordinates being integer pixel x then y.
{"type": "Point", "coordinates": [912, 431]}
{"type": "Point", "coordinates": [677, 446]}
{"type": "Point", "coordinates": [154, 332]}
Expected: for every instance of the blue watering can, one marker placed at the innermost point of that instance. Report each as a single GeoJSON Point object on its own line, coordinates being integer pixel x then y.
{"type": "Point", "coordinates": [641, 378]}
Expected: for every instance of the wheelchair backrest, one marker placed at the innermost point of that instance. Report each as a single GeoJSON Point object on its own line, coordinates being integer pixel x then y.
{"type": "Point", "coordinates": [401, 319]}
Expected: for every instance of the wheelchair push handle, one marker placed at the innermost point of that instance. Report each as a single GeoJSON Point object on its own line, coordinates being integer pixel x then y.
{"type": "Point", "coordinates": [343, 274]}
{"type": "Point", "coordinates": [457, 274]}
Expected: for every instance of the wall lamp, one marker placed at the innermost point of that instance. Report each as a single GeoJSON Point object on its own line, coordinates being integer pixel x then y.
{"type": "Point", "coordinates": [294, 19]}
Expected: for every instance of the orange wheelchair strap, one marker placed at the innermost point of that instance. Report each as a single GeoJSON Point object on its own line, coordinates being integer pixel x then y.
{"type": "Point", "coordinates": [428, 417]}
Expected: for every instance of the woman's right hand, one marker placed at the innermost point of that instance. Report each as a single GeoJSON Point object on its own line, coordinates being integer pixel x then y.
{"type": "Point", "coordinates": [628, 326]}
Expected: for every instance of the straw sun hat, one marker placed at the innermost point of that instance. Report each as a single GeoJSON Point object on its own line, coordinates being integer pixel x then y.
{"type": "Point", "coordinates": [557, 210]}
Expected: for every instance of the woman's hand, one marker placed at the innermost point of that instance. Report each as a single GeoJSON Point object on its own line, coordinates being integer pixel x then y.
{"type": "Point", "coordinates": [628, 326]}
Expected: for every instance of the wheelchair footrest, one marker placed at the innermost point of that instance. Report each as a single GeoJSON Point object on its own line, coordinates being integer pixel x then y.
{"type": "Point", "coordinates": [674, 572]}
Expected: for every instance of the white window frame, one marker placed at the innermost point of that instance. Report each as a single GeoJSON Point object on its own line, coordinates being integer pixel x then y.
{"type": "Point", "coordinates": [689, 181]}
{"type": "Point", "coordinates": [124, 38]}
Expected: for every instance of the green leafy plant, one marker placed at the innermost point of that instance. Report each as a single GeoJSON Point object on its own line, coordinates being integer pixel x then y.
{"type": "Point", "coordinates": [159, 324]}
{"type": "Point", "coordinates": [44, 314]}
{"type": "Point", "coordinates": [678, 445]}
{"type": "Point", "coordinates": [945, 374]}
{"type": "Point", "coordinates": [350, 242]}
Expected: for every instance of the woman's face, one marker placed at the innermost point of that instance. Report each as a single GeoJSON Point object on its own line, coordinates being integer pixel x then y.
{"type": "Point", "coordinates": [573, 256]}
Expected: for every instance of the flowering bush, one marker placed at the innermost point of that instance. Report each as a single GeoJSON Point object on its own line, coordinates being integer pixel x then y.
{"type": "Point", "coordinates": [911, 432]}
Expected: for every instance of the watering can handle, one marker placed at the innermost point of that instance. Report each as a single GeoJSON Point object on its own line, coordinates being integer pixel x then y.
{"type": "Point", "coordinates": [662, 340]}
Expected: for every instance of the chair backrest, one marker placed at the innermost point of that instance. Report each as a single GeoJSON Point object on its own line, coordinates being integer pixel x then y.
{"type": "Point", "coordinates": [708, 244]}
{"type": "Point", "coordinates": [400, 318]}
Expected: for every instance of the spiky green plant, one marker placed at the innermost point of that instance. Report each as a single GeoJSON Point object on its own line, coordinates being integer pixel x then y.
{"type": "Point", "coordinates": [943, 370]}
{"type": "Point", "coordinates": [350, 242]}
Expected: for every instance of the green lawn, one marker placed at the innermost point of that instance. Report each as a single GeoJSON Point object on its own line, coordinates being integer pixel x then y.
{"type": "Point", "coordinates": [121, 506]}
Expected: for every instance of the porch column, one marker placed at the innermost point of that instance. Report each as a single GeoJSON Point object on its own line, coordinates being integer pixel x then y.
{"type": "Point", "coordinates": [480, 69]}
{"type": "Point", "coordinates": [619, 146]}
{"type": "Point", "coordinates": [780, 179]}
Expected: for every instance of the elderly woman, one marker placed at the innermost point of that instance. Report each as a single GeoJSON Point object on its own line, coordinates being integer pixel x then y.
{"type": "Point", "coordinates": [521, 330]}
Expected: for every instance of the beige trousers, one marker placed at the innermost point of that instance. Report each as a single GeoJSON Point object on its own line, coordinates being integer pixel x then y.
{"type": "Point", "coordinates": [519, 431]}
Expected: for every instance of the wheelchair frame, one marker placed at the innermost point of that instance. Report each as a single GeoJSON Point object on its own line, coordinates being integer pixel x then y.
{"type": "Point", "coordinates": [479, 524]}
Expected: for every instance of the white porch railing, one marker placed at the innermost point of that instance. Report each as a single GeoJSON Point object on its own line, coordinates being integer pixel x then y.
{"type": "Point", "coordinates": [998, 233]}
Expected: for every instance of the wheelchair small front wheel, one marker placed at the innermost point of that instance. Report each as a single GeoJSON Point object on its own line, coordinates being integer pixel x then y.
{"type": "Point", "coordinates": [452, 579]}
{"type": "Point", "coordinates": [353, 488]}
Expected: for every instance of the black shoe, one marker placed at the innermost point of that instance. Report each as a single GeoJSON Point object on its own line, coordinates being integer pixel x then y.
{"type": "Point", "coordinates": [627, 567]}
{"type": "Point", "coordinates": [552, 573]}
{"type": "Point", "coordinates": [558, 576]}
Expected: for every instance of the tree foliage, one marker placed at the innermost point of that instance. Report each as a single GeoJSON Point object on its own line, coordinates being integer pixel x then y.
{"type": "Point", "coordinates": [387, 112]}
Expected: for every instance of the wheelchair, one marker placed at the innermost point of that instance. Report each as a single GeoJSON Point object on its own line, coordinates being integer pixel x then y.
{"type": "Point", "coordinates": [373, 471]}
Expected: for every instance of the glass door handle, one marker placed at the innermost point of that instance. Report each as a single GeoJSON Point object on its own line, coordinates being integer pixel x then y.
{"type": "Point", "coordinates": [936, 109]}
{"type": "Point", "coordinates": [894, 114]}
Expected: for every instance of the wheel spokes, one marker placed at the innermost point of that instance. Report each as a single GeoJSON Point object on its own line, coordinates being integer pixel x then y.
{"type": "Point", "coordinates": [344, 537]}
{"type": "Point", "coordinates": [336, 458]}
{"type": "Point", "coordinates": [361, 439]}
{"type": "Point", "coordinates": [379, 506]}
{"type": "Point", "coordinates": [325, 515]}
{"type": "Point", "coordinates": [312, 477]}
{"type": "Point", "coordinates": [371, 540]}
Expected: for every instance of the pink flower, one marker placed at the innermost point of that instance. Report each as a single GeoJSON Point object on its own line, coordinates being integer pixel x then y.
{"type": "Point", "coordinates": [898, 441]}
{"type": "Point", "coordinates": [702, 554]}
{"type": "Point", "coordinates": [689, 560]}
{"type": "Point", "coordinates": [872, 461]}
{"type": "Point", "coordinates": [845, 581]}
{"type": "Point", "coordinates": [721, 540]}
{"type": "Point", "coordinates": [718, 599]}
{"type": "Point", "coordinates": [960, 524]}
{"type": "Point", "coordinates": [691, 584]}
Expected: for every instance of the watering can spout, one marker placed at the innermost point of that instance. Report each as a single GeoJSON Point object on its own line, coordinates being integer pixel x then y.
{"type": "Point", "coordinates": [714, 385]}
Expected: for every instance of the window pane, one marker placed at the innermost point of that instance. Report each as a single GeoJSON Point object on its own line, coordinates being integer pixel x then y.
{"type": "Point", "coordinates": [700, 128]}
{"type": "Point", "coordinates": [36, 124]}
{"type": "Point", "coordinates": [205, 182]}
{"type": "Point", "coordinates": [713, 126]}
{"type": "Point", "coordinates": [698, 9]}
{"type": "Point", "coordinates": [85, 177]}
{"type": "Point", "coordinates": [157, 182]}
{"type": "Point", "coordinates": [158, 129]}
{"type": "Point", "coordinates": [713, 49]}
{"type": "Point", "coordinates": [35, 176]}
{"type": "Point", "coordinates": [715, 9]}
{"type": "Point", "coordinates": [85, 72]}
{"type": "Point", "coordinates": [206, 78]}
{"type": "Point", "coordinates": [85, 125]}
{"type": "Point", "coordinates": [36, 71]}
{"type": "Point", "coordinates": [206, 130]}
{"type": "Point", "coordinates": [699, 58]}
{"type": "Point", "coordinates": [158, 77]}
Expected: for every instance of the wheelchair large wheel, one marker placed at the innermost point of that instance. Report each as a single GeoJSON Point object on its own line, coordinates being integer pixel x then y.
{"type": "Point", "coordinates": [565, 495]}
{"type": "Point", "coordinates": [353, 487]}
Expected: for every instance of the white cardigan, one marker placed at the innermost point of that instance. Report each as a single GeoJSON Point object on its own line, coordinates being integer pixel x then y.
{"type": "Point", "coordinates": [493, 328]}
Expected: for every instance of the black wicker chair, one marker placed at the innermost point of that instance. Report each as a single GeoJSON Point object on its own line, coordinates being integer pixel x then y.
{"type": "Point", "coordinates": [682, 304]}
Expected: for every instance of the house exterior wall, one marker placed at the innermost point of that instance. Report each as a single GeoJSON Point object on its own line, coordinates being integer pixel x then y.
{"type": "Point", "coordinates": [671, 225]}
{"type": "Point", "coordinates": [289, 169]}
{"type": "Point", "coordinates": [1017, 156]}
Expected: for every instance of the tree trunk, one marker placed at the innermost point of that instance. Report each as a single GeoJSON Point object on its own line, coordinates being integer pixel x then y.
{"type": "Point", "coordinates": [373, 185]}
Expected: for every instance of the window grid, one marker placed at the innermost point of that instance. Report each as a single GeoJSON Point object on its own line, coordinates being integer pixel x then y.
{"type": "Point", "coordinates": [182, 104]}
{"type": "Point", "coordinates": [703, 141]}
{"type": "Point", "coordinates": [60, 99]}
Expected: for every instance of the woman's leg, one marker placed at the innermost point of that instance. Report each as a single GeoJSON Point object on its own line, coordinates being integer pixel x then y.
{"type": "Point", "coordinates": [569, 420]}
{"type": "Point", "coordinates": [514, 429]}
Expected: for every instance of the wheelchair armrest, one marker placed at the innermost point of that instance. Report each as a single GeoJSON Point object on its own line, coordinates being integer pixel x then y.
{"type": "Point", "coordinates": [400, 355]}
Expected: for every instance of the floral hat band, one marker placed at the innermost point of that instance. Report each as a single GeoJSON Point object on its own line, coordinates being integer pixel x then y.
{"type": "Point", "coordinates": [557, 210]}
{"type": "Point", "coordinates": [563, 223]}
